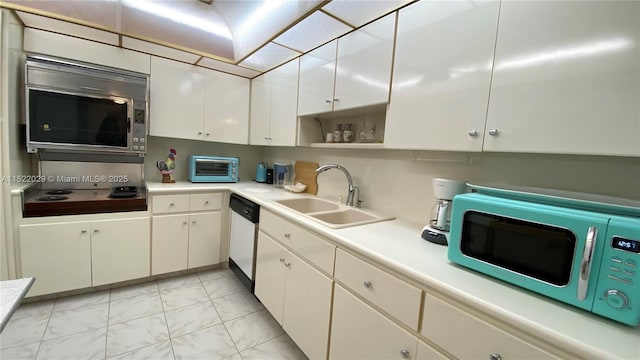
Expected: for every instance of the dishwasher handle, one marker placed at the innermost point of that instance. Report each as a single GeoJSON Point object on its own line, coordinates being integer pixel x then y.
{"type": "Point", "coordinates": [245, 208]}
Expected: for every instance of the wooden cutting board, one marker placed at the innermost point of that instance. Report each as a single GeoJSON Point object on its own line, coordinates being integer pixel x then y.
{"type": "Point", "coordinates": [306, 174]}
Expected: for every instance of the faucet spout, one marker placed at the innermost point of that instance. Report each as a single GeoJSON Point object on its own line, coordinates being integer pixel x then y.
{"type": "Point", "coordinates": [351, 190]}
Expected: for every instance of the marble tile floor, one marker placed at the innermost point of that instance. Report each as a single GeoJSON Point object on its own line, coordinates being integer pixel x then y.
{"type": "Point", "coordinates": [204, 315]}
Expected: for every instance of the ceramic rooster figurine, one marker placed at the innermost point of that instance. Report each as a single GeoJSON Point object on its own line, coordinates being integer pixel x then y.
{"type": "Point", "coordinates": [167, 167]}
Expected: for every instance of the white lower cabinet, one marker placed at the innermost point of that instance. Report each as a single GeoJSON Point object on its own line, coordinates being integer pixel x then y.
{"type": "Point", "coordinates": [445, 325]}
{"type": "Point", "coordinates": [57, 255]}
{"type": "Point", "coordinates": [120, 250]}
{"type": "Point", "coordinates": [296, 294]}
{"type": "Point", "coordinates": [360, 332]}
{"type": "Point", "coordinates": [426, 352]}
{"type": "Point", "coordinates": [204, 239]}
{"type": "Point", "coordinates": [170, 243]}
{"type": "Point", "coordinates": [75, 255]}
{"type": "Point", "coordinates": [184, 236]}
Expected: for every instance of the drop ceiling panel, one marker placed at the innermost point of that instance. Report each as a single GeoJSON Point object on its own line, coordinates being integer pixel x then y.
{"type": "Point", "coordinates": [102, 13]}
{"type": "Point", "coordinates": [159, 50]}
{"type": "Point", "coordinates": [178, 22]}
{"type": "Point", "coordinates": [254, 23]}
{"type": "Point", "coordinates": [269, 56]}
{"type": "Point", "coordinates": [228, 68]}
{"type": "Point", "coordinates": [315, 30]}
{"type": "Point", "coordinates": [358, 13]}
{"type": "Point", "coordinates": [63, 27]}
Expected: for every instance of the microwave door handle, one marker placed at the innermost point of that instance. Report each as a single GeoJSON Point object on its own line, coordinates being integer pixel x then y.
{"type": "Point", "coordinates": [585, 264]}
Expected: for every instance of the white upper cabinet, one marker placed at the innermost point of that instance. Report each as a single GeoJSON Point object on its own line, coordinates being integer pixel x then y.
{"type": "Point", "coordinates": [45, 42]}
{"type": "Point", "coordinates": [226, 108]}
{"type": "Point", "coordinates": [274, 100]}
{"type": "Point", "coordinates": [317, 75]}
{"type": "Point", "coordinates": [363, 68]}
{"type": "Point", "coordinates": [176, 101]}
{"type": "Point", "coordinates": [190, 102]}
{"type": "Point", "coordinates": [442, 75]}
{"type": "Point", "coordinates": [350, 72]}
{"type": "Point", "coordinates": [566, 78]}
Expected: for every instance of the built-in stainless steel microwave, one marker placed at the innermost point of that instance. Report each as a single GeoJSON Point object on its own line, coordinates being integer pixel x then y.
{"type": "Point", "coordinates": [581, 249]}
{"type": "Point", "coordinates": [73, 106]}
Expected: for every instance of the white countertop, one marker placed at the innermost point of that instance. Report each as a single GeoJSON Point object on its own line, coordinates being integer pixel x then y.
{"type": "Point", "coordinates": [11, 293]}
{"type": "Point", "coordinates": [398, 246]}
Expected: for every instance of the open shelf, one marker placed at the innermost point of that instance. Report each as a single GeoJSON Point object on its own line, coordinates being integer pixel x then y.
{"type": "Point", "coordinates": [367, 123]}
{"type": "Point", "coordinates": [353, 145]}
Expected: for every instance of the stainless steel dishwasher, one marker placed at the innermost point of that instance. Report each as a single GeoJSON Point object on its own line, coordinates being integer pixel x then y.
{"type": "Point", "coordinates": [245, 216]}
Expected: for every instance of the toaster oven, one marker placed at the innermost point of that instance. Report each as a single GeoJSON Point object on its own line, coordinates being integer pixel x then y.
{"type": "Point", "coordinates": [212, 169]}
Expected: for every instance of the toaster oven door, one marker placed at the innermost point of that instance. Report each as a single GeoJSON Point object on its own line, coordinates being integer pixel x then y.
{"type": "Point", "coordinates": [551, 250]}
{"type": "Point", "coordinates": [212, 168]}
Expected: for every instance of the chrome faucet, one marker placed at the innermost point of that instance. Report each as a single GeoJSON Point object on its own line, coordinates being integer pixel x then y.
{"type": "Point", "coordinates": [353, 190]}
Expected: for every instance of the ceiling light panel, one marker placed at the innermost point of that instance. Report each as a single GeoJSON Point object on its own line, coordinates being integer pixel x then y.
{"type": "Point", "coordinates": [191, 24]}
{"type": "Point", "coordinates": [269, 56]}
{"type": "Point", "coordinates": [158, 50]}
{"type": "Point", "coordinates": [358, 13]}
{"type": "Point", "coordinates": [64, 27]}
{"type": "Point", "coordinates": [315, 30]}
{"type": "Point", "coordinates": [97, 13]}
{"type": "Point", "coordinates": [228, 68]}
{"type": "Point", "coordinates": [254, 23]}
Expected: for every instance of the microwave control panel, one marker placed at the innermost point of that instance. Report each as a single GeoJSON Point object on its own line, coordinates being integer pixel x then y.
{"type": "Point", "coordinates": [139, 131]}
{"type": "Point", "coordinates": [618, 287]}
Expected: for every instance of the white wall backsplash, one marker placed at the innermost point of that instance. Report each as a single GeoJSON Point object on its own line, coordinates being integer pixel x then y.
{"type": "Point", "coordinates": [395, 183]}
{"type": "Point", "coordinates": [158, 149]}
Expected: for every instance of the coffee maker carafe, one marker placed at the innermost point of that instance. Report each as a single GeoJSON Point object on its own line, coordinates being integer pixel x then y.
{"type": "Point", "coordinates": [437, 231]}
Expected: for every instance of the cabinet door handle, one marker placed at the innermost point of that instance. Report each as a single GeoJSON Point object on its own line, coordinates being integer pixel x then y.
{"type": "Point", "coordinates": [473, 133]}
{"type": "Point", "coordinates": [287, 265]}
{"type": "Point", "coordinates": [172, 204]}
{"type": "Point", "coordinates": [281, 260]}
{"type": "Point", "coordinates": [328, 101]}
{"type": "Point", "coordinates": [494, 132]}
{"type": "Point", "coordinates": [199, 132]}
{"type": "Point", "coordinates": [287, 235]}
{"type": "Point", "coordinates": [206, 202]}
{"type": "Point", "coordinates": [193, 222]}
{"type": "Point", "coordinates": [404, 353]}
{"type": "Point", "coordinates": [367, 284]}
{"type": "Point", "coordinates": [336, 99]}
{"type": "Point", "coordinates": [184, 223]}
{"type": "Point", "coordinates": [83, 231]}
{"type": "Point", "coordinates": [96, 231]}
{"type": "Point", "coordinates": [495, 356]}
{"type": "Point", "coordinates": [207, 134]}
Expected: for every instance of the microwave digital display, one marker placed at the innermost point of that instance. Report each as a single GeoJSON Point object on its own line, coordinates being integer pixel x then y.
{"type": "Point", "coordinates": [626, 244]}
{"type": "Point", "coordinates": [74, 119]}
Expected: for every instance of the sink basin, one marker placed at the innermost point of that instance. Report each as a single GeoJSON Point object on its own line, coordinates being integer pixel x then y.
{"type": "Point", "coordinates": [308, 205]}
{"type": "Point", "coordinates": [331, 214]}
{"type": "Point", "coordinates": [344, 217]}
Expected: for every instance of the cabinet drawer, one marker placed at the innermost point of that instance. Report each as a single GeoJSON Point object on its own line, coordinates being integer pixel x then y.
{"type": "Point", "coordinates": [204, 202]}
{"type": "Point", "coordinates": [445, 325]}
{"type": "Point", "coordinates": [311, 246]}
{"type": "Point", "coordinates": [170, 203]}
{"type": "Point", "coordinates": [398, 298]}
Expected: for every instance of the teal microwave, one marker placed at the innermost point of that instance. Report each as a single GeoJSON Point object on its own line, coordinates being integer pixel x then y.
{"type": "Point", "coordinates": [581, 252]}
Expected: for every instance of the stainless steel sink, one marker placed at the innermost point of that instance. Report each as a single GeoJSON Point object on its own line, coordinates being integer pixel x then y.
{"type": "Point", "coordinates": [332, 214]}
